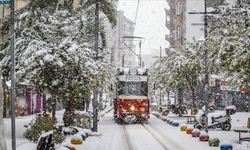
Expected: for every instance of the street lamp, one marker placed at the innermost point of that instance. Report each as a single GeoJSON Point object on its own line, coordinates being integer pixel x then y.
{"type": "Point", "coordinates": [13, 75]}
{"type": "Point", "coordinates": [161, 87]}
{"type": "Point", "coordinates": [95, 93]}
{"type": "Point", "coordinates": [206, 65]}
{"type": "Point", "coordinates": [205, 95]}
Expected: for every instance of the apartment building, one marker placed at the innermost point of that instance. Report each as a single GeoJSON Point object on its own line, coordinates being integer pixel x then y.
{"type": "Point", "coordinates": [175, 22]}
{"type": "Point", "coordinates": [185, 27]}
{"type": "Point", "coordinates": [121, 46]}
{"type": "Point", "coordinates": [5, 11]}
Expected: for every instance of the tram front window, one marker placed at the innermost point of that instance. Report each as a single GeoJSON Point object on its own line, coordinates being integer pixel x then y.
{"type": "Point", "coordinates": [133, 88]}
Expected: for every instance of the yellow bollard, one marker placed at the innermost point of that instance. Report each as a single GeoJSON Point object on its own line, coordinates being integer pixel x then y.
{"type": "Point", "coordinates": [183, 127]}
{"type": "Point", "coordinates": [248, 122]}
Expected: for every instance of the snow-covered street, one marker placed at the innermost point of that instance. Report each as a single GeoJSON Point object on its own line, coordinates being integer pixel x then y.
{"type": "Point", "coordinates": [124, 75]}
{"type": "Point", "coordinates": [156, 134]}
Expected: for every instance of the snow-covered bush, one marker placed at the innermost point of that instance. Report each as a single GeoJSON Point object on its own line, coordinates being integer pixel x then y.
{"type": "Point", "coordinates": [40, 125]}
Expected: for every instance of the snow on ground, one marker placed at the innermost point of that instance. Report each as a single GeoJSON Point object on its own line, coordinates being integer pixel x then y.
{"type": "Point", "coordinates": [114, 136]}
{"type": "Point", "coordinates": [177, 140]}
{"type": "Point", "coordinates": [20, 129]}
{"type": "Point", "coordinates": [140, 138]}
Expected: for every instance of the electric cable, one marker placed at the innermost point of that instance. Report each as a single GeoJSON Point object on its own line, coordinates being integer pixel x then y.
{"type": "Point", "coordinates": [137, 11]}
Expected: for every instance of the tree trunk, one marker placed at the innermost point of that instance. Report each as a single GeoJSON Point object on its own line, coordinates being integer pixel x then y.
{"type": "Point", "coordinates": [68, 116]}
{"type": "Point", "coordinates": [44, 103]}
{"type": "Point", "coordinates": [168, 97]}
{"type": "Point", "coordinates": [87, 105]}
{"type": "Point", "coordinates": [2, 136]}
{"type": "Point", "coordinates": [100, 104]}
{"type": "Point", "coordinates": [193, 98]}
{"type": "Point", "coordinates": [180, 96]}
{"type": "Point", "coordinates": [5, 98]}
{"type": "Point", "coordinates": [83, 105]}
{"type": "Point", "coordinates": [54, 109]}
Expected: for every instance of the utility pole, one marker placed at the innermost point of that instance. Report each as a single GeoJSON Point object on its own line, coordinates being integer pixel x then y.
{"type": "Point", "coordinates": [13, 82]}
{"type": "Point", "coordinates": [160, 96]}
{"type": "Point", "coordinates": [160, 84]}
{"type": "Point", "coordinates": [140, 54]}
{"type": "Point", "coordinates": [123, 60]}
{"type": "Point", "coordinates": [160, 54]}
{"type": "Point", "coordinates": [13, 93]}
{"type": "Point", "coordinates": [95, 97]}
{"type": "Point", "coordinates": [206, 66]}
{"type": "Point", "coordinates": [205, 86]}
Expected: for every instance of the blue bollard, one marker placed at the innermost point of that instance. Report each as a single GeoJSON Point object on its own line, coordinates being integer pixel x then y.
{"type": "Point", "coordinates": [92, 129]}
{"type": "Point", "coordinates": [226, 147]}
{"type": "Point", "coordinates": [175, 124]}
{"type": "Point", "coordinates": [83, 137]}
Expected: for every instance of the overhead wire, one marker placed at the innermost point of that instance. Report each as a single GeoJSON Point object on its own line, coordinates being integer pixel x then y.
{"type": "Point", "coordinates": [137, 11]}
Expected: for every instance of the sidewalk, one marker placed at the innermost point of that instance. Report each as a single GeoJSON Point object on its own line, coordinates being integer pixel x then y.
{"type": "Point", "coordinates": [239, 119]}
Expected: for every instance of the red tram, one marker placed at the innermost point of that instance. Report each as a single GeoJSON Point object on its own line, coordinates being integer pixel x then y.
{"type": "Point", "coordinates": [131, 102]}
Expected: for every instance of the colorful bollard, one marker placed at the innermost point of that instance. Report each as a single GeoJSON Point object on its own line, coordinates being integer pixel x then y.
{"type": "Point", "coordinates": [70, 148]}
{"type": "Point", "coordinates": [196, 133]}
{"type": "Point", "coordinates": [226, 147]}
{"type": "Point", "coordinates": [83, 137]}
{"type": "Point", "coordinates": [214, 142]}
{"type": "Point", "coordinates": [189, 130]}
{"type": "Point", "coordinates": [76, 140]}
{"type": "Point", "coordinates": [204, 137]}
{"type": "Point", "coordinates": [176, 124]}
{"type": "Point", "coordinates": [183, 127]}
{"type": "Point", "coordinates": [171, 122]}
{"type": "Point", "coordinates": [87, 134]}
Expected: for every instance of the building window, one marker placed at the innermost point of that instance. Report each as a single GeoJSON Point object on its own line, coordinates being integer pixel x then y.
{"type": "Point", "coordinates": [178, 32]}
{"type": "Point", "coordinates": [175, 34]}
{"type": "Point", "coordinates": [178, 8]}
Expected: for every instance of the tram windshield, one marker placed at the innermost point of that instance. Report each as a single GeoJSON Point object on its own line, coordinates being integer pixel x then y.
{"type": "Point", "coordinates": [133, 88]}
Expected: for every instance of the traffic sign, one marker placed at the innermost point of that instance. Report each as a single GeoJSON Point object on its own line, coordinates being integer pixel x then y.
{"type": "Point", "coordinates": [5, 1]}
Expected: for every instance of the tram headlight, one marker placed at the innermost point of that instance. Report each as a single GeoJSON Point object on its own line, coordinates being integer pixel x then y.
{"type": "Point", "coordinates": [132, 108]}
{"type": "Point", "coordinates": [124, 110]}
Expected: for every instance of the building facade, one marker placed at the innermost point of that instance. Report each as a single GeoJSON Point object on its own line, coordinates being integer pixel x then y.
{"type": "Point", "coordinates": [175, 22]}
{"type": "Point", "coordinates": [5, 10]}
{"type": "Point", "coordinates": [185, 20]}
{"type": "Point", "coordinates": [121, 44]}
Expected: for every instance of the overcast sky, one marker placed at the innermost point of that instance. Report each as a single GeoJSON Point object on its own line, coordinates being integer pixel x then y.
{"type": "Point", "coordinates": [150, 22]}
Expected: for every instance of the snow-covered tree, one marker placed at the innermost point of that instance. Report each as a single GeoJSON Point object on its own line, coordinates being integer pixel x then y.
{"type": "Point", "coordinates": [229, 43]}
{"type": "Point", "coordinates": [54, 49]}
{"type": "Point", "coordinates": [180, 70]}
{"type": "Point", "coordinates": [168, 71]}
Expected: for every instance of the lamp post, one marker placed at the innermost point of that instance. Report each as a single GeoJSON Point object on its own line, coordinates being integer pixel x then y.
{"type": "Point", "coordinates": [161, 86]}
{"type": "Point", "coordinates": [205, 86]}
{"type": "Point", "coordinates": [206, 65]}
{"type": "Point", "coordinates": [160, 72]}
{"type": "Point", "coordinates": [95, 91]}
{"type": "Point", "coordinates": [13, 82]}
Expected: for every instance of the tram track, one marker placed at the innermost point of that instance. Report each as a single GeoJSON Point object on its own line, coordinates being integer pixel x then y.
{"type": "Point", "coordinates": [148, 130]}
{"type": "Point", "coordinates": [156, 136]}
{"type": "Point", "coordinates": [126, 135]}
{"type": "Point", "coordinates": [164, 137]}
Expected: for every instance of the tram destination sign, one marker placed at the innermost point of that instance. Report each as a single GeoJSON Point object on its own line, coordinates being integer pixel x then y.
{"type": "Point", "coordinates": [5, 1]}
{"type": "Point", "coordinates": [133, 78]}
